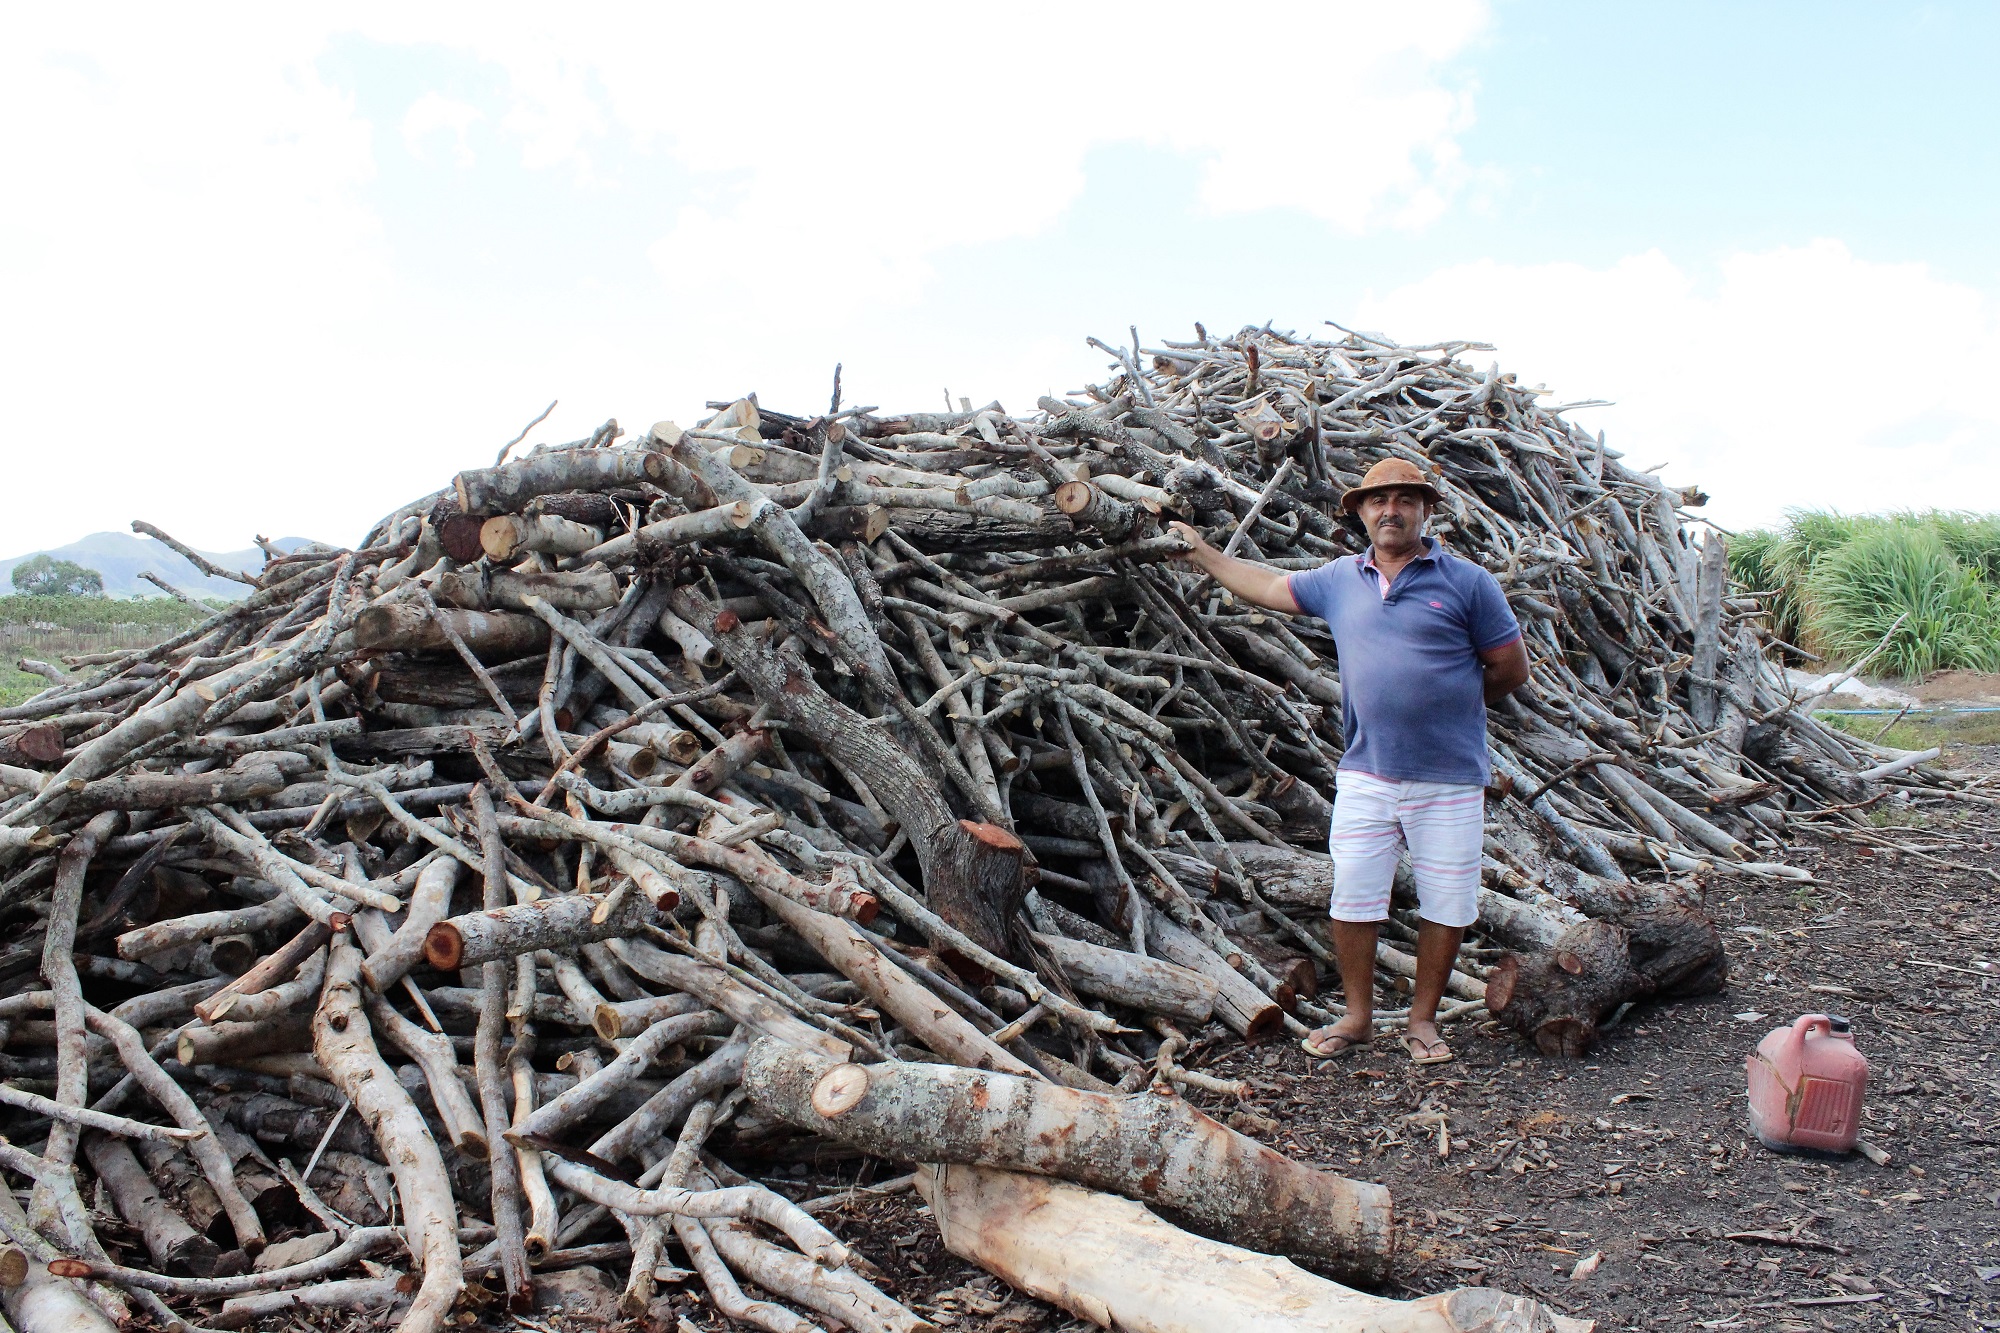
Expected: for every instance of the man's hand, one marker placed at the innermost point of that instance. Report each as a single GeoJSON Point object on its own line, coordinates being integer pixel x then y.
{"type": "Point", "coordinates": [1257, 584]}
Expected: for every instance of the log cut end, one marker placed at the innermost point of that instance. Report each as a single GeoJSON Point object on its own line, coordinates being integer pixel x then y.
{"type": "Point", "coordinates": [444, 947]}
{"type": "Point", "coordinates": [41, 743]}
{"type": "Point", "coordinates": [459, 535]}
{"type": "Point", "coordinates": [840, 1090]}
{"type": "Point", "coordinates": [499, 537]}
{"type": "Point", "coordinates": [992, 835]}
{"type": "Point", "coordinates": [1073, 497]}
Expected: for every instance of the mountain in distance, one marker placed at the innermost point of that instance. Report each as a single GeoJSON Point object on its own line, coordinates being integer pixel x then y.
{"type": "Point", "coordinates": [122, 556]}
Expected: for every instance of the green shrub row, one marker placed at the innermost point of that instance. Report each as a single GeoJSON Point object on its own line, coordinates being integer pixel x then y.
{"type": "Point", "coordinates": [98, 613]}
{"type": "Point", "coordinates": [1839, 582]}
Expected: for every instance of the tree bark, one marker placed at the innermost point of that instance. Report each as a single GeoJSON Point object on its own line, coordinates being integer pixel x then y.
{"type": "Point", "coordinates": [429, 903]}
{"type": "Point", "coordinates": [169, 1239]}
{"type": "Point", "coordinates": [1559, 996]}
{"type": "Point", "coordinates": [509, 535]}
{"type": "Point", "coordinates": [719, 991]}
{"type": "Point", "coordinates": [170, 791]}
{"type": "Point", "coordinates": [36, 745]}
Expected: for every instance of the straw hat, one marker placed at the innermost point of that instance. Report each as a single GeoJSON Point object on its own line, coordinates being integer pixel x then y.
{"type": "Point", "coordinates": [1388, 473]}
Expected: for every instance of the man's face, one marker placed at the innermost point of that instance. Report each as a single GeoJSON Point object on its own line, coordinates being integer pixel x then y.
{"type": "Point", "coordinates": [1395, 519]}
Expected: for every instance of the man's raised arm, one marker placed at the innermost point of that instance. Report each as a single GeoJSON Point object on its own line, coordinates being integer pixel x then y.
{"type": "Point", "coordinates": [1257, 584]}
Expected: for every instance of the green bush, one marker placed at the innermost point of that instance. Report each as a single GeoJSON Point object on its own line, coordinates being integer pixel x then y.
{"type": "Point", "coordinates": [1974, 539]}
{"type": "Point", "coordinates": [1903, 571]}
{"type": "Point", "coordinates": [95, 614]}
{"type": "Point", "coordinates": [1838, 581]}
{"type": "Point", "coordinates": [1753, 564]}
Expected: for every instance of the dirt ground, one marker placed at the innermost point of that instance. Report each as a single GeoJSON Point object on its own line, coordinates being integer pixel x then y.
{"type": "Point", "coordinates": [1640, 1153]}
{"type": "Point", "coordinates": [1959, 687]}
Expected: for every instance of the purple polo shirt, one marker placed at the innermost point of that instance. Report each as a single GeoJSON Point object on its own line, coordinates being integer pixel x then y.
{"type": "Point", "coordinates": [1413, 697]}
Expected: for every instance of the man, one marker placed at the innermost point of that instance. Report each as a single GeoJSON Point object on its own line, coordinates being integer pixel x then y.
{"type": "Point", "coordinates": [1425, 641]}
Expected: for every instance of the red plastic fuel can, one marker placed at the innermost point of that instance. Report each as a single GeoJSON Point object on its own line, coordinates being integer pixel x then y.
{"type": "Point", "coordinates": [1806, 1086]}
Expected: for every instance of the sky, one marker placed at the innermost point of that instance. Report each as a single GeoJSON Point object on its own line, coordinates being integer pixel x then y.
{"type": "Point", "coordinates": [277, 269]}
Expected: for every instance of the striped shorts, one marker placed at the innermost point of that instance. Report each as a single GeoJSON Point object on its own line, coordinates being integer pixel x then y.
{"type": "Point", "coordinates": [1442, 823]}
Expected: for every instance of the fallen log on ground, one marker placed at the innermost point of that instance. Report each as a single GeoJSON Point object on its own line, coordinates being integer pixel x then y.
{"type": "Point", "coordinates": [1110, 1261]}
{"type": "Point", "coordinates": [1156, 1148]}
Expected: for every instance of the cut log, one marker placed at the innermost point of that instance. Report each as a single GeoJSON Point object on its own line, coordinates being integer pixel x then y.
{"type": "Point", "coordinates": [509, 487]}
{"type": "Point", "coordinates": [493, 636]}
{"type": "Point", "coordinates": [1558, 996]}
{"type": "Point", "coordinates": [552, 923]}
{"type": "Point", "coordinates": [37, 744]}
{"type": "Point", "coordinates": [169, 1239]}
{"type": "Point", "coordinates": [1158, 1149]}
{"type": "Point", "coordinates": [169, 791]}
{"type": "Point", "coordinates": [677, 533]}
{"type": "Point", "coordinates": [1247, 1011]}
{"type": "Point", "coordinates": [1151, 985]}
{"type": "Point", "coordinates": [484, 588]}
{"type": "Point", "coordinates": [511, 535]}
{"type": "Point", "coordinates": [1110, 1261]}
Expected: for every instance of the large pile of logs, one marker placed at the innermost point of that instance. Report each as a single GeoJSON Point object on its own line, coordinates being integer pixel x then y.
{"type": "Point", "coordinates": [467, 902]}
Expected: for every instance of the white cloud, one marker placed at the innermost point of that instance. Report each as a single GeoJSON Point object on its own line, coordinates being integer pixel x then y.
{"type": "Point", "coordinates": [846, 142]}
{"type": "Point", "coordinates": [434, 112]}
{"type": "Point", "coordinates": [204, 300]}
{"type": "Point", "coordinates": [1800, 376]}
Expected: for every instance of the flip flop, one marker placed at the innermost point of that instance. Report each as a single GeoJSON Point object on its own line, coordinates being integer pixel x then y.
{"type": "Point", "coordinates": [1420, 1051]}
{"type": "Point", "coordinates": [1327, 1051]}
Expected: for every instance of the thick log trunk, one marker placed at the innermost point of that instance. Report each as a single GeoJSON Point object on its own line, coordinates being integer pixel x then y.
{"type": "Point", "coordinates": [940, 530]}
{"type": "Point", "coordinates": [1246, 1010]}
{"type": "Point", "coordinates": [655, 540]}
{"type": "Point", "coordinates": [509, 535]}
{"type": "Point", "coordinates": [507, 488]}
{"type": "Point", "coordinates": [169, 1239]}
{"type": "Point", "coordinates": [404, 742]}
{"type": "Point", "coordinates": [37, 744]}
{"type": "Point", "coordinates": [484, 588]}
{"type": "Point", "coordinates": [1151, 985]}
{"type": "Point", "coordinates": [170, 791]}
{"type": "Point", "coordinates": [225, 1041]}
{"type": "Point", "coordinates": [435, 683]}
{"type": "Point", "coordinates": [1558, 996]}
{"type": "Point", "coordinates": [1158, 1149]}
{"type": "Point", "coordinates": [1110, 1261]}
{"type": "Point", "coordinates": [493, 636]}
{"type": "Point", "coordinates": [552, 923]}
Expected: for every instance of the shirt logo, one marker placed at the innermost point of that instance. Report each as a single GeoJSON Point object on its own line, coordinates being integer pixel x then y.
{"type": "Point", "coordinates": [1438, 605]}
